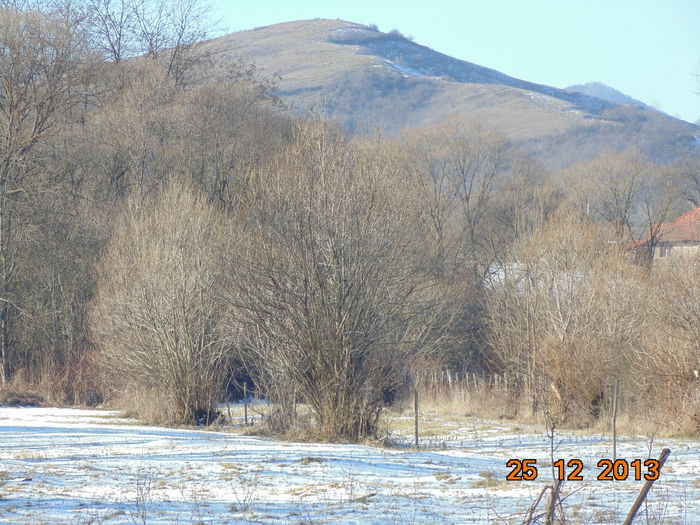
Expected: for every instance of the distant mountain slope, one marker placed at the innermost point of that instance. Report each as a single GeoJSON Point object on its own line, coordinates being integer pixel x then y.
{"type": "Point", "coordinates": [417, 60]}
{"type": "Point", "coordinates": [605, 92]}
{"type": "Point", "coordinates": [367, 79]}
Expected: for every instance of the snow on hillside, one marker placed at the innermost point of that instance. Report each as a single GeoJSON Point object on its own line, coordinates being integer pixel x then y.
{"type": "Point", "coordinates": [399, 51]}
{"type": "Point", "coordinates": [87, 466]}
{"type": "Point", "coordinates": [406, 71]}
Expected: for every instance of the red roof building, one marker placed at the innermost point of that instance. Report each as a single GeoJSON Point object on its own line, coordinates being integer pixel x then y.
{"type": "Point", "coordinates": [681, 236]}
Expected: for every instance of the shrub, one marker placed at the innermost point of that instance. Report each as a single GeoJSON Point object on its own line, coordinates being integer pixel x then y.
{"type": "Point", "coordinates": [156, 315]}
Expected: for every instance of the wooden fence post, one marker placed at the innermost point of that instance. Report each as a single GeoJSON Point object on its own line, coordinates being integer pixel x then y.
{"type": "Point", "coordinates": [245, 402]}
{"type": "Point", "coordinates": [616, 393]}
{"type": "Point", "coordinates": [415, 410]}
{"type": "Point", "coordinates": [645, 489]}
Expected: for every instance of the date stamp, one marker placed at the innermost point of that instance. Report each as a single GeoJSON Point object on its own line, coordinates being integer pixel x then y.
{"type": "Point", "coordinates": [572, 469]}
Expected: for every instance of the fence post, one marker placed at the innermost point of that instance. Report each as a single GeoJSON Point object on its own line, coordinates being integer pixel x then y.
{"type": "Point", "coordinates": [245, 402]}
{"type": "Point", "coordinates": [294, 400]}
{"type": "Point", "coordinates": [616, 393]}
{"type": "Point", "coordinates": [415, 411]}
{"type": "Point", "coordinates": [645, 489]}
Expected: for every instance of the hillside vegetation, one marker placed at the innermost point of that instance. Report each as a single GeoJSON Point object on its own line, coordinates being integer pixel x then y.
{"type": "Point", "coordinates": [167, 233]}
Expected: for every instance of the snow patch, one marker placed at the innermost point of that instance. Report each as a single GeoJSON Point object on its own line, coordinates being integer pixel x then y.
{"type": "Point", "coordinates": [87, 466]}
{"type": "Point", "coordinates": [405, 70]}
{"type": "Point", "coordinates": [353, 30]}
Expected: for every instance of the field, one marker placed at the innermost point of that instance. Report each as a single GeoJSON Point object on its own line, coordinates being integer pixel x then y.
{"type": "Point", "coordinates": [89, 466]}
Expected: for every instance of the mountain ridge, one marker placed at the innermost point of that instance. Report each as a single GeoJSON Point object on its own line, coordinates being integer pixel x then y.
{"type": "Point", "coordinates": [468, 73]}
{"type": "Point", "coordinates": [605, 92]}
{"type": "Point", "coordinates": [369, 80]}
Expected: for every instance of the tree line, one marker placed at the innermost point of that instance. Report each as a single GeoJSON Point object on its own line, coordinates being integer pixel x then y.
{"type": "Point", "coordinates": [166, 226]}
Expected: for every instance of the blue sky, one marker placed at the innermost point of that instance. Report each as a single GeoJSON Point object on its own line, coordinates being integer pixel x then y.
{"type": "Point", "coordinates": [648, 49]}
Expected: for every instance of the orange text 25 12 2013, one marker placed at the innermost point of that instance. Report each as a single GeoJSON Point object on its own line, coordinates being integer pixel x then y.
{"type": "Point", "coordinates": [573, 469]}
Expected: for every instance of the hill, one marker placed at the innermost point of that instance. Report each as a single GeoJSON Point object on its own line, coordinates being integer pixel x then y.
{"type": "Point", "coordinates": [605, 92]}
{"type": "Point", "coordinates": [367, 79]}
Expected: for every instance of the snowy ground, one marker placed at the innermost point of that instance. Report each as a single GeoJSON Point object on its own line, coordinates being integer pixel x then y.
{"type": "Point", "coordinates": [82, 466]}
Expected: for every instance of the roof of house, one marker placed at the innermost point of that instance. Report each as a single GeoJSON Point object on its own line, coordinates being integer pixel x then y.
{"type": "Point", "coordinates": [685, 228]}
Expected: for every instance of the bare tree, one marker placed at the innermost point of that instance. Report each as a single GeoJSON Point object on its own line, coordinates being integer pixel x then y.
{"type": "Point", "coordinates": [608, 188]}
{"type": "Point", "coordinates": [156, 316]}
{"type": "Point", "coordinates": [428, 172]}
{"type": "Point", "coordinates": [327, 288]}
{"type": "Point", "coordinates": [456, 172]}
{"type": "Point", "coordinates": [478, 162]}
{"type": "Point", "coordinates": [628, 192]}
{"type": "Point", "coordinates": [232, 126]}
{"type": "Point", "coordinates": [686, 175]}
{"type": "Point", "coordinates": [522, 205]}
{"type": "Point", "coordinates": [170, 32]}
{"type": "Point", "coordinates": [460, 164]}
{"type": "Point", "coordinates": [142, 142]}
{"type": "Point", "coordinates": [79, 134]}
{"type": "Point", "coordinates": [112, 24]}
{"type": "Point", "coordinates": [186, 25]}
{"type": "Point", "coordinates": [659, 198]}
{"type": "Point", "coordinates": [667, 364]}
{"type": "Point", "coordinates": [565, 315]}
{"type": "Point", "coordinates": [42, 69]}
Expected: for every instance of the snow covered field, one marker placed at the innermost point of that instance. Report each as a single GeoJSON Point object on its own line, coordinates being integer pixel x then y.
{"type": "Point", "coordinates": [87, 466]}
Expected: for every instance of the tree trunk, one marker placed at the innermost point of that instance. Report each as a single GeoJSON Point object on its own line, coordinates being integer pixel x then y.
{"type": "Point", "coordinates": [4, 282]}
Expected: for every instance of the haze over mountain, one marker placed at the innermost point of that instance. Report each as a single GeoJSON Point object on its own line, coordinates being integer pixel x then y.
{"type": "Point", "coordinates": [367, 79]}
{"type": "Point", "coordinates": [600, 90]}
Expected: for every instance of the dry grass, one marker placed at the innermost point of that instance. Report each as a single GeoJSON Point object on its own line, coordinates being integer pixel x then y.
{"type": "Point", "coordinates": [13, 397]}
{"type": "Point", "coordinates": [296, 50]}
{"type": "Point", "coordinates": [261, 422]}
{"type": "Point", "coordinates": [482, 397]}
{"type": "Point", "coordinates": [490, 481]}
{"type": "Point", "coordinates": [72, 384]}
{"type": "Point", "coordinates": [443, 407]}
{"type": "Point", "coordinates": [21, 391]}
